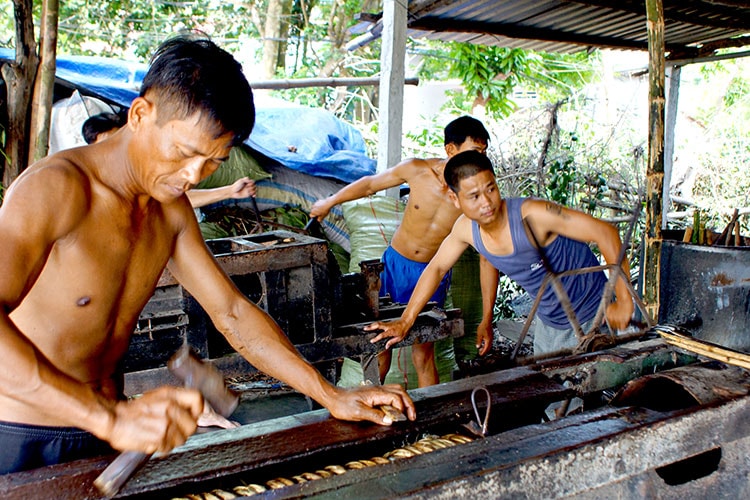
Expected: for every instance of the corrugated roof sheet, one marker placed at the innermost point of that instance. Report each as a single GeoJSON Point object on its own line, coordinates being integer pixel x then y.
{"type": "Point", "coordinates": [692, 27]}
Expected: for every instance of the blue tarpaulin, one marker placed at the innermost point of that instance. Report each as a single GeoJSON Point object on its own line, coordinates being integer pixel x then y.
{"type": "Point", "coordinates": [313, 141]}
{"type": "Point", "coordinates": [310, 140]}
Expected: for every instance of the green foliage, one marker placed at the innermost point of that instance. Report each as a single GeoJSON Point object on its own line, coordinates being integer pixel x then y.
{"type": "Point", "coordinates": [131, 28]}
{"type": "Point", "coordinates": [561, 180]}
{"type": "Point", "coordinates": [507, 290]}
{"type": "Point", "coordinates": [719, 113]}
{"type": "Point", "coordinates": [491, 75]}
{"type": "Point", "coordinates": [737, 91]}
{"type": "Point", "coordinates": [424, 142]}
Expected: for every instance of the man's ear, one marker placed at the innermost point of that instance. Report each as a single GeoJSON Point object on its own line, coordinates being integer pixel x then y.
{"type": "Point", "coordinates": [140, 109]}
{"type": "Point", "coordinates": [451, 150]}
{"type": "Point", "coordinates": [454, 198]}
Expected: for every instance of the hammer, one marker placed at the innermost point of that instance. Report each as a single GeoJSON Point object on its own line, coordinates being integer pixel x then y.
{"type": "Point", "coordinates": [194, 373]}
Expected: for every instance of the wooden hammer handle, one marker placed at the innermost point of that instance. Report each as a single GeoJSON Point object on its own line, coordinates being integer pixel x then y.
{"type": "Point", "coordinates": [119, 471]}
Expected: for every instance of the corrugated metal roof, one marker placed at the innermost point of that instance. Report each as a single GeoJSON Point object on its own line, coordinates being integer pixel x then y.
{"type": "Point", "coordinates": [692, 27]}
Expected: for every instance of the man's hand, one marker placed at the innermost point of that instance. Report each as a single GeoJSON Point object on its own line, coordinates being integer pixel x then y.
{"type": "Point", "coordinates": [320, 209]}
{"type": "Point", "coordinates": [360, 403]}
{"type": "Point", "coordinates": [485, 334]}
{"type": "Point", "coordinates": [619, 314]}
{"type": "Point", "coordinates": [155, 422]}
{"type": "Point", "coordinates": [397, 330]}
{"type": "Point", "coordinates": [242, 188]}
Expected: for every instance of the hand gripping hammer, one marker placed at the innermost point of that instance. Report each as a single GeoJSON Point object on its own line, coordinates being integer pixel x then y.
{"type": "Point", "coordinates": [194, 373]}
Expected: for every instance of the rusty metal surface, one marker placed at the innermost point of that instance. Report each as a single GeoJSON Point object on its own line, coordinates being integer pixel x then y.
{"type": "Point", "coordinates": [685, 386]}
{"type": "Point", "coordinates": [296, 442]}
{"type": "Point", "coordinates": [707, 291]}
{"type": "Point", "coordinates": [285, 273]}
{"type": "Point", "coordinates": [613, 368]}
{"type": "Point", "coordinates": [609, 451]}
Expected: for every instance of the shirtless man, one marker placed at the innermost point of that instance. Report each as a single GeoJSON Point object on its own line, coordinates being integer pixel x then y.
{"type": "Point", "coordinates": [495, 228]}
{"type": "Point", "coordinates": [85, 235]}
{"type": "Point", "coordinates": [427, 221]}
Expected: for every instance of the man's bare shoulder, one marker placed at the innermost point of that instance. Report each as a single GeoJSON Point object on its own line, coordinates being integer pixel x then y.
{"type": "Point", "coordinates": [55, 178]}
{"type": "Point", "coordinates": [537, 207]}
{"type": "Point", "coordinates": [462, 229]}
{"type": "Point", "coordinates": [417, 166]}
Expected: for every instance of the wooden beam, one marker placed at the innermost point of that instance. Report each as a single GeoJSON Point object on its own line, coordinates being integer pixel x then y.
{"type": "Point", "coordinates": [655, 169]}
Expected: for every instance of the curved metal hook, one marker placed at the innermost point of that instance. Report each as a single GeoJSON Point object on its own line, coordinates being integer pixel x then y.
{"type": "Point", "coordinates": [481, 424]}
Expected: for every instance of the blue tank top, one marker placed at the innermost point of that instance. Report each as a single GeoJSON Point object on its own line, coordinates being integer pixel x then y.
{"type": "Point", "coordinates": [525, 267]}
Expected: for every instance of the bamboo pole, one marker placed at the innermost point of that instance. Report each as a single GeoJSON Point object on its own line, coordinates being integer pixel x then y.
{"type": "Point", "coordinates": [655, 169]}
{"type": "Point", "coordinates": [707, 349]}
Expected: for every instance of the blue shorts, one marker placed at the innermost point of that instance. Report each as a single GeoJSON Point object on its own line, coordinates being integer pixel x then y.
{"type": "Point", "coordinates": [400, 276]}
{"type": "Point", "coordinates": [27, 446]}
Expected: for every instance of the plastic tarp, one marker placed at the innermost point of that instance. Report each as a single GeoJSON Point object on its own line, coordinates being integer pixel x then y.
{"type": "Point", "coordinates": [310, 140]}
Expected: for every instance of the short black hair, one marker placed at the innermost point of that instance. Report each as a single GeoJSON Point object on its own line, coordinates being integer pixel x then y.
{"type": "Point", "coordinates": [457, 131]}
{"type": "Point", "coordinates": [189, 73]}
{"type": "Point", "coordinates": [465, 165]}
{"type": "Point", "coordinates": [98, 124]}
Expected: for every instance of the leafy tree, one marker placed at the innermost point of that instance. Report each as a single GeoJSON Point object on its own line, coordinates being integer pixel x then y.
{"type": "Point", "coordinates": [490, 75]}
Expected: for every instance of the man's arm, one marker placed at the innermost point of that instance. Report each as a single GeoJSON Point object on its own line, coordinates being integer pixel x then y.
{"type": "Point", "coordinates": [547, 218]}
{"type": "Point", "coordinates": [365, 186]}
{"type": "Point", "coordinates": [241, 188]}
{"type": "Point", "coordinates": [257, 337]}
{"type": "Point", "coordinates": [447, 255]}
{"type": "Point", "coordinates": [488, 279]}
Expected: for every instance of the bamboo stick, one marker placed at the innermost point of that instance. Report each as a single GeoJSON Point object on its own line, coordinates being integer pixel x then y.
{"type": "Point", "coordinates": [707, 349]}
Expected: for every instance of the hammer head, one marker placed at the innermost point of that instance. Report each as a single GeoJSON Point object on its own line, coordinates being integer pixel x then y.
{"type": "Point", "coordinates": [205, 378]}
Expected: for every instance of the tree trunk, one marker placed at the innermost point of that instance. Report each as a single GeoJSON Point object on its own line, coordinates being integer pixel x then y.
{"type": "Point", "coordinates": [19, 79]}
{"type": "Point", "coordinates": [44, 86]}
{"type": "Point", "coordinates": [271, 38]}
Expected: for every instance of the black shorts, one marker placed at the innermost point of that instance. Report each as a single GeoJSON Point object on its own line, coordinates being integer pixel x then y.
{"type": "Point", "coordinates": [24, 446]}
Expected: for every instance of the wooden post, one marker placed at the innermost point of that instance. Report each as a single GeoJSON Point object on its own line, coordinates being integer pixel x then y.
{"type": "Point", "coordinates": [655, 169]}
{"type": "Point", "coordinates": [392, 72]}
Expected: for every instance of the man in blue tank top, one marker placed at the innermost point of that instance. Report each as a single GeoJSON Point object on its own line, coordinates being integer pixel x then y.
{"type": "Point", "coordinates": [501, 231]}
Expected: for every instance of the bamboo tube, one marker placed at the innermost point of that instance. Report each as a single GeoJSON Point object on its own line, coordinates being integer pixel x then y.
{"type": "Point", "coordinates": [707, 349]}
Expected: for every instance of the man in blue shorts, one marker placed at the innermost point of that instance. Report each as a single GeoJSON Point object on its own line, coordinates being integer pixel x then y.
{"type": "Point", "coordinates": [428, 219]}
